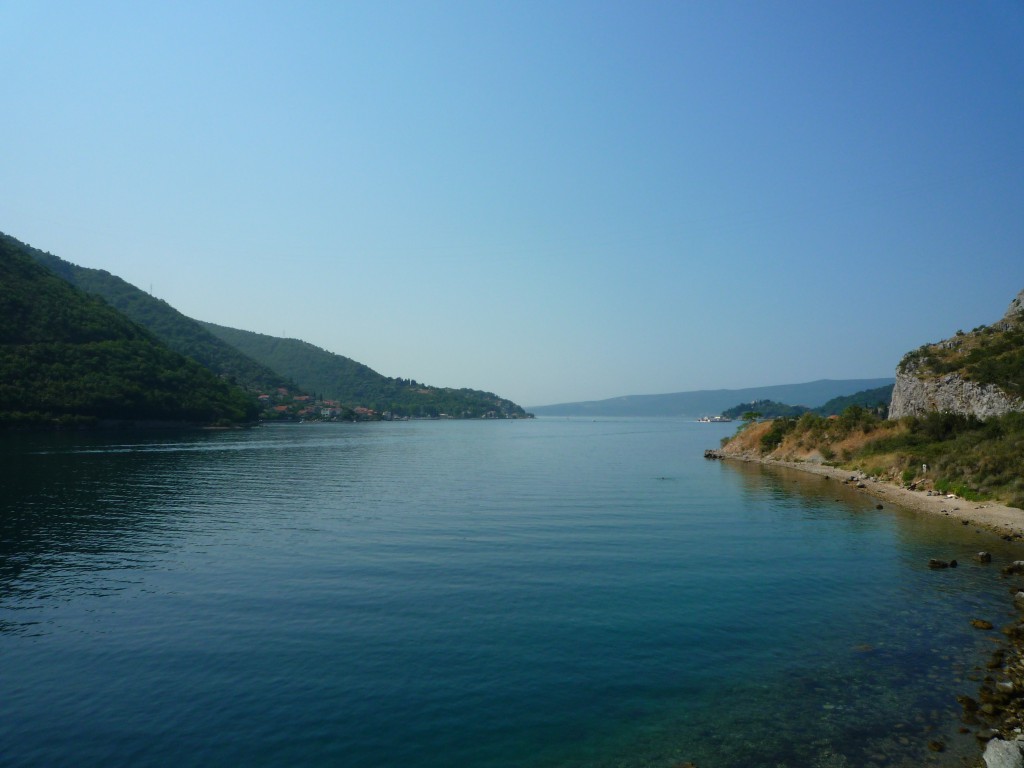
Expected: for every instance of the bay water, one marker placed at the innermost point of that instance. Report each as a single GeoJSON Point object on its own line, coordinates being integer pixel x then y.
{"type": "Point", "coordinates": [552, 592]}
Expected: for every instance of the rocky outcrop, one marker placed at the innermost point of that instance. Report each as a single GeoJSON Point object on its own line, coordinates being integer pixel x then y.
{"type": "Point", "coordinates": [920, 389]}
{"type": "Point", "coordinates": [1004, 754]}
{"type": "Point", "coordinates": [917, 393]}
{"type": "Point", "coordinates": [1015, 310]}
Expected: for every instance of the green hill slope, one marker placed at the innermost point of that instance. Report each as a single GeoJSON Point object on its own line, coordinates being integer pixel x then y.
{"type": "Point", "coordinates": [69, 358]}
{"type": "Point", "coordinates": [182, 334]}
{"type": "Point", "coordinates": [335, 377]}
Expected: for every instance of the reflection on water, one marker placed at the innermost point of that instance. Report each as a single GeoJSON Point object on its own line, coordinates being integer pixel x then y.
{"type": "Point", "coordinates": [462, 594]}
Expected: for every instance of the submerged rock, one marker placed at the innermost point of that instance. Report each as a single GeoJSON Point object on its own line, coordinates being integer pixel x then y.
{"type": "Point", "coordinates": [933, 563]}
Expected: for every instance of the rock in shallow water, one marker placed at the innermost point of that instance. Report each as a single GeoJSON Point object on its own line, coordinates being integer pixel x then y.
{"type": "Point", "coordinates": [1004, 754]}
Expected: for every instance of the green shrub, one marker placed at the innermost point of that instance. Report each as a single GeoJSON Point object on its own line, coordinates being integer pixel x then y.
{"type": "Point", "coordinates": [771, 439]}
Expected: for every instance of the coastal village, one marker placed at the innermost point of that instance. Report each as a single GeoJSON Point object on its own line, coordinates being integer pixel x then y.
{"type": "Point", "coordinates": [285, 405]}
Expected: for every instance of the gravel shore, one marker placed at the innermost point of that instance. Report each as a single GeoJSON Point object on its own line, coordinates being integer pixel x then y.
{"type": "Point", "coordinates": [999, 518]}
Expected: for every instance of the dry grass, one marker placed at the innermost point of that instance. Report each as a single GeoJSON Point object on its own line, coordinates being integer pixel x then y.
{"type": "Point", "coordinates": [839, 450]}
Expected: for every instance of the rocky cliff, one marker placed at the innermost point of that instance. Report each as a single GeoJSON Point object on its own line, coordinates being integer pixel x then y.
{"type": "Point", "coordinates": [980, 373]}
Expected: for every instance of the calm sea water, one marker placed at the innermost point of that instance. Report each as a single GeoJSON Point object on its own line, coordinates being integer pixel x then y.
{"type": "Point", "coordinates": [537, 593]}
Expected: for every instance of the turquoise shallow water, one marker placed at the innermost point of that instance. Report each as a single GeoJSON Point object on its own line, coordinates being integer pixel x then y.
{"type": "Point", "coordinates": [538, 593]}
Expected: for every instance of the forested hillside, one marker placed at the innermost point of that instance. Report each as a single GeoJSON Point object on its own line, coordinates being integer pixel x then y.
{"type": "Point", "coordinates": [69, 358]}
{"type": "Point", "coordinates": [182, 334]}
{"type": "Point", "coordinates": [335, 377]}
{"type": "Point", "coordinates": [875, 400]}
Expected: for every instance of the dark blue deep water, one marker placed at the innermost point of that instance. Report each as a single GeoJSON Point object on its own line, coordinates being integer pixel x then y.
{"type": "Point", "coordinates": [425, 594]}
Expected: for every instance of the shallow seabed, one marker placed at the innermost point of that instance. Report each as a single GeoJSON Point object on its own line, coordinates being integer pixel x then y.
{"type": "Point", "coordinates": [538, 593]}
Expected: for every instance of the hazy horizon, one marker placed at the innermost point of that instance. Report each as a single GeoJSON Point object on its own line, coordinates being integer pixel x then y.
{"type": "Point", "coordinates": [554, 202]}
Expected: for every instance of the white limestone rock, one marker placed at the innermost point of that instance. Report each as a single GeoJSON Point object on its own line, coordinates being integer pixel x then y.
{"type": "Point", "coordinates": [1004, 754]}
{"type": "Point", "coordinates": [918, 392]}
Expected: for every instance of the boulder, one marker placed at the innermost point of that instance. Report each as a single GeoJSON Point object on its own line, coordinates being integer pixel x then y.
{"type": "Point", "coordinates": [1004, 754]}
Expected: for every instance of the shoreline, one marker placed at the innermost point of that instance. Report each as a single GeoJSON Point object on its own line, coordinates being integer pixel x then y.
{"type": "Point", "coordinates": [996, 716]}
{"type": "Point", "coordinates": [998, 518]}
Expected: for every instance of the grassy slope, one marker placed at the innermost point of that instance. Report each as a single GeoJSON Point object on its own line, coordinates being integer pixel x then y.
{"type": "Point", "coordinates": [972, 458]}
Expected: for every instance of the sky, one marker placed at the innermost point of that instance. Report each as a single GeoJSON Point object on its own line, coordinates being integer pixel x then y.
{"type": "Point", "coordinates": [553, 201]}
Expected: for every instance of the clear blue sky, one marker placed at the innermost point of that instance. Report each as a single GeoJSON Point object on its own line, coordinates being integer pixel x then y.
{"type": "Point", "coordinates": [550, 200]}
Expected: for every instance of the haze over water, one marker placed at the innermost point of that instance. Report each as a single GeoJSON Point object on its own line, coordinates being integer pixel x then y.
{"type": "Point", "coordinates": [536, 593]}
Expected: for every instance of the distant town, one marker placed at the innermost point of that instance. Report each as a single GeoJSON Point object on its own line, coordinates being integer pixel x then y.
{"type": "Point", "coordinates": [282, 405]}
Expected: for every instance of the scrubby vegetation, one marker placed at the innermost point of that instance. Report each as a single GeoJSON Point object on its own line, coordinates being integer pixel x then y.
{"type": "Point", "coordinates": [990, 354]}
{"type": "Point", "coordinates": [944, 452]}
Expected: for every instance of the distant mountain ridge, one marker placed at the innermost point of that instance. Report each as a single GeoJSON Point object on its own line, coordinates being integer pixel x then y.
{"type": "Point", "coordinates": [705, 402]}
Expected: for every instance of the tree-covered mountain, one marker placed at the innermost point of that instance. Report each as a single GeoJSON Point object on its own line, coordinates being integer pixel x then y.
{"type": "Point", "coordinates": [355, 385]}
{"type": "Point", "coordinates": [182, 334]}
{"type": "Point", "coordinates": [767, 409]}
{"type": "Point", "coordinates": [69, 358]}
{"type": "Point", "coordinates": [267, 365]}
{"type": "Point", "coordinates": [875, 400]}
